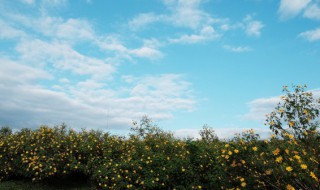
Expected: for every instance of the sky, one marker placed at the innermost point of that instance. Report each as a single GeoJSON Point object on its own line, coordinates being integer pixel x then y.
{"type": "Point", "coordinates": [101, 64]}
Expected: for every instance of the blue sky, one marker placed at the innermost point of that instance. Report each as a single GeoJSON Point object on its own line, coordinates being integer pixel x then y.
{"type": "Point", "coordinates": [101, 64]}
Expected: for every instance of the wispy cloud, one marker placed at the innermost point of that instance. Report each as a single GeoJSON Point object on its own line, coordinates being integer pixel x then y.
{"type": "Point", "coordinates": [56, 27]}
{"type": "Point", "coordinates": [311, 35]}
{"type": "Point", "coordinates": [148, 50]}
{"type": "Point", "coordinates": [222, 133]}
{"type": "Point", "coordinates": [14, 73]}
{"type": "Point", "coordinates": [8, 31]}
{"type": "Point", "coordinates": [181, 14]}
{"type": "Point", "coordinates": [185, 15]}
{"type": "Point", "coordinates": [207, 33]}
{"type": "Point", "coordinates": [310, 9]}
{"type": "Point", "coordinates": [63, 57]}
{"type": "Point", "coordinates": [145, 19]}
{"type": "Point", "coordinates": [28, 1]}
{"type": "Point", "coordinates": [258, 108]}
{"type": "Point", "coordinates": [291, 8]}
{"type": "Point", "coordinates": [252, 27]}
{"type": "Point", "coordinates": [238, 49]}
{"type": "Point", "coordinates": [312, 12]}
{"type": "Point", "coordinates": [188, 13]}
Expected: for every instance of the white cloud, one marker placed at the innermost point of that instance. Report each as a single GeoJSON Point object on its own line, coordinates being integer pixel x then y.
{"type": "Point", "coordinates": [187, 133]}
{"type": "Point", "coordinates": [90, 105]}
{"type": "Point", "coordinates": [144, 19]}
{"type": "Point", "coordinates": [252, 27]}
{"type": "Point", "coordinates": [30, 2]}
{"type": "Point", "coordinates": [311, 35]}
{"type": "Point", "coordinates": [147, 52]}
{"type": "Point", "coordinates": [258, 108]}
{"type": "Point", "coordinates": [222, 133]}
{"type": "Point", "coordinates": [74, 28]}
{"type": "Point", "coordinates": [12, 72]}
{"type": "Point", "coordinates": [9, 32]}
{"type": "Point", "coordinates": [51, 3]}
{"type": "Point", "coordinates": [249, 24]}
{"type": "Point", "coordinates": [111, 43]}
{"type": "Point", "coordinates": [312, 12]}
{"type": "Point", "coordinates": [45, 3]}
{"type": "Point", "coordinates": [290, 8]}
{"type": "Point", "coordinates": [63, 57]}
{"type": "Point", "coordinates": [182, 14]}
{"type": "Point", "coordinates": [206, 33]}
{"type": "Point", "coordinates": [238, 49]}
{"type": "Point", "coordinates": [56, 27]}
{"type": "Point", "coordinates": [188, 13]}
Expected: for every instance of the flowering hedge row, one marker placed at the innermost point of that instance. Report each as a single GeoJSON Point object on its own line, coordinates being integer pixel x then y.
{"type": "Point", "coordinates": [153, 159]}
{"type": "Point", "coordinates": [160, 161]}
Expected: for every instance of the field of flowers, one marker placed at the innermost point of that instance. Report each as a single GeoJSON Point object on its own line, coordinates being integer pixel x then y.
{"type": "Point", "coordinates": [153, 159]}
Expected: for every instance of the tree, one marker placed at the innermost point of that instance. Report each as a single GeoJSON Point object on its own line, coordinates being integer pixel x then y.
{"type": "Point", "coordinates": [5, 131]}
{"type": "Point", "coordinates": [208, 134]}
{"type": "Point", "coordinates": [146, 127]}
{"type": "Point", "coordinates": [297, 114]}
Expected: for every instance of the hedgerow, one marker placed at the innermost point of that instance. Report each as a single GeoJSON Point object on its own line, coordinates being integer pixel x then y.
{"type": "Point", "coordinates": [150, 158]}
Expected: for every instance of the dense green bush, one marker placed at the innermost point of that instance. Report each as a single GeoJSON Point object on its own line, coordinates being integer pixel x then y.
{"type": "Point", "coordinates": [150, 158]}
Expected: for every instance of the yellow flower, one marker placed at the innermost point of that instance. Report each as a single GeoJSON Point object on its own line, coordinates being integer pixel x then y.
{"type": "Point", "coordinates": [230, 153]}
{"type": "Point", "coordinates": [255, 148]}
{"type": "Point", "coordinates": [290, 136]}
{"type": "Point", "coordinates": [279, 159]}
{"type": "Point", "coordinates": [199, 187]}
{"type": "Point", "coordinates": [268, 171]}
{"type": "Point", "coordinates": [287, 151]}
{"type": "Point", "coordinates": [303, 166]}
{"type": "Point", "coordinates": [291, 123]}
{"type": "Point", "coordinates": [242, 179]}
{"type": "Point", "coordinates": [276, 151]}
{"type": "Point", "coordinates": [271, 123]}
{"type": "Point", "coordinates": [236, 151]}
{"type": "Point", "coordinates": [289, 187]}
{"type": "Point", "coordinates": [297, 157]}
{"type": "Point", "coordinates": [289, 168]}
{"type": "Point", "coordinates": [313, 176]}
{"type": "Point", "coordinates": [243, 184]}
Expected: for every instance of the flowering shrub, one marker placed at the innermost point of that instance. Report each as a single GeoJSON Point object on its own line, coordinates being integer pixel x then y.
{"type": "Point", "coordinates": [153, 159]}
